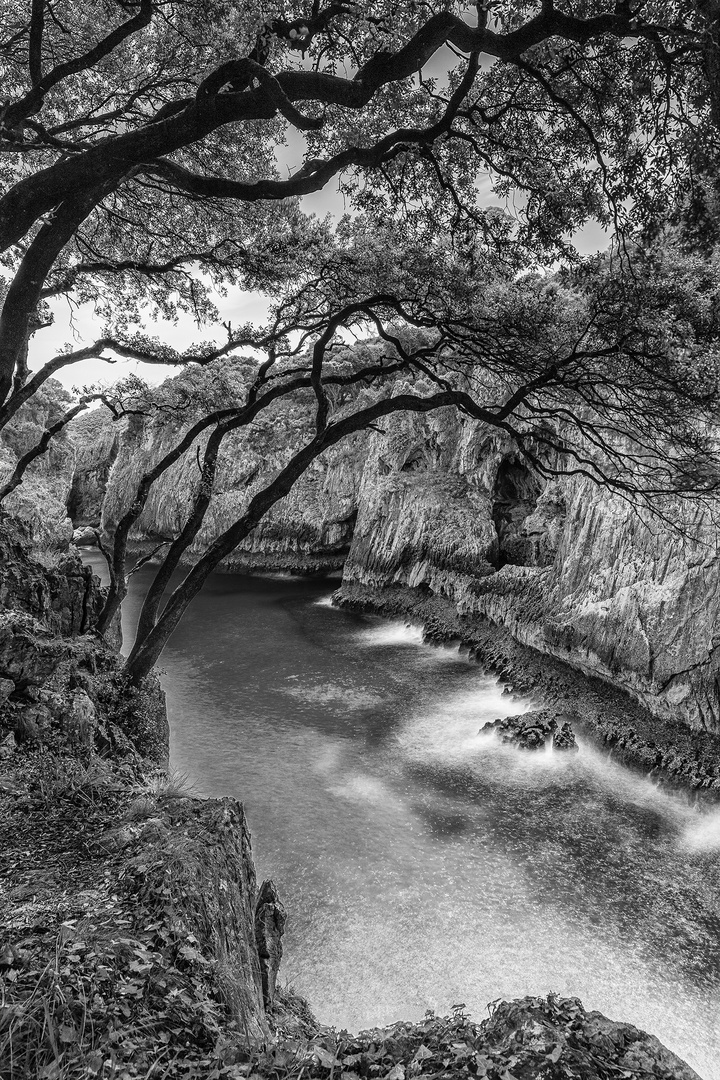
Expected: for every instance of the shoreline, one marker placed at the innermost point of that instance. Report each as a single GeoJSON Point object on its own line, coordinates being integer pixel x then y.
{"type": "Point", "coordinates": [665, 750]}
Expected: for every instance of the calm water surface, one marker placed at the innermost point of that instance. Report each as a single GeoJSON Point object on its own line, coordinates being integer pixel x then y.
{"type": "Point", "coordinates": [423, 864]}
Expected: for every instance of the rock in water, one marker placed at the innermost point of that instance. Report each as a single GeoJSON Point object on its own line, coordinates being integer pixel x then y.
{"type": "Point", "coordinates": [564, 738]}
{"type": "Point", "coordinates": [533, 731]}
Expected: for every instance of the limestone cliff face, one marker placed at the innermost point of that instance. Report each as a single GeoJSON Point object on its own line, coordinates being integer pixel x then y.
{"type": "Point", "coordinates": [95, 439]}
{"type": "Point", "coordinates": [308, 531]}
{"type": "Point", "coordinates": [638, 603]}
{"type": "Point", "coordinates": [568, 568]}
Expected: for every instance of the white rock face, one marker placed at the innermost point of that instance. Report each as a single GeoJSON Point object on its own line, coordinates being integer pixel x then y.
{"type": "Point", "coordinates": [616, 595]}
{"type": "Point", "coordinates": [310, 529]}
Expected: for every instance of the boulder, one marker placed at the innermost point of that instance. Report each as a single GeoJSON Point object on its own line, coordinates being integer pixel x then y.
{"type": "Point", "coordinates": [534, 731]}
{"type": "Point", "coordinates": [85, 537]}
{"type": "Point", "coordinates": [564, 738]}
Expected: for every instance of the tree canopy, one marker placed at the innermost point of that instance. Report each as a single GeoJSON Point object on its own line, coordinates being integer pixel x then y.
{"type": "Point", "coordinates": [142, 140]}
{"type": "Point", "coordinates": [154, 153]}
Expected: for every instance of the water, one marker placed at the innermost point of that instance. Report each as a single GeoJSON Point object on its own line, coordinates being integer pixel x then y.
{"type": "Point", "coordinates": [424, 864]}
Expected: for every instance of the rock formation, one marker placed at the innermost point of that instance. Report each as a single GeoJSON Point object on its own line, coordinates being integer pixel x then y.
{"type": "Point", "coordinates": [534, 730]}
{"type": "Point", "coordinates": [567, 567]}
{"type": "Point", "coordinates": [309, 531]}
{"type": "Point", "coordinates": [176, 940]}
{"type": "Point", "coordinates": [95, 438]}
{"type": "Point", "coordinates": [444, 504]}
{"type": "Point", "coordinates": [41, 500]}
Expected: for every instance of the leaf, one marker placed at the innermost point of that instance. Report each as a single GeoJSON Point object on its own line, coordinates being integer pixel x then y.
{"type": "Point", "coordinates": [422, 1053]}
{"type": "Point", "coordinates": [326, 1059]}
{"type": "Point", "coordinates": [67, 1033]}
{"type": "Point", "coordinates": [554, 1055]}
{"type": "Point", "coordinates": [396, 1073]}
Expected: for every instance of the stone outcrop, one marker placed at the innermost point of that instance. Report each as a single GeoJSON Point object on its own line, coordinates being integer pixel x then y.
{"type": "Point", "coordinates": [556, 1037]}
{"type": "Point", "coordinates": [65, 597]}
{"type": "Point", "coordinates": [270, 919]}
{"type": "Point", "coordinates": [534, 730]}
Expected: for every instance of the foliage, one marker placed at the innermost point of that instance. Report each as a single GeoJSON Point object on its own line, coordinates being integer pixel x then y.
{"type": "Point", "coordinates": [145, 172]}
{"type": "Point", "coordinates": [120, 986]}
{"type": "Point", "coordinates": [164, 142]}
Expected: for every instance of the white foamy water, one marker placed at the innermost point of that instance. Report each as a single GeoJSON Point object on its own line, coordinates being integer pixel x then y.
{"type": "Point", "coordinates": [702, 834]}
{"type": "Point", "coordinates": [391, 633]}
{"type": "Point", "coordinates": [325, 602]}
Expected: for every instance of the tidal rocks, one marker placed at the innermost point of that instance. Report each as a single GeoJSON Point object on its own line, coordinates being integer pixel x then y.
{"type": "Point", "coordinates": [534, 731]}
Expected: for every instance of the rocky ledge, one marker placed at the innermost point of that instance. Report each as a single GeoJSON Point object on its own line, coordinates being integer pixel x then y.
{"type": "Point", "coordinates": [134, 935]}
{"type": "Point", "coordinates": [651, 744]}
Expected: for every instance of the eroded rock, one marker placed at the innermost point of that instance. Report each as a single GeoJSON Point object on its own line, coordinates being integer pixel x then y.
{"type": "Point", "coordinates": [270, 918]}
{"type": "Point", "coordinates": [534, 731]}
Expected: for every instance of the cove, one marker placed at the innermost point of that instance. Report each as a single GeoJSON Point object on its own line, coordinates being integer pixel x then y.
{"type": "Point", "coordinates": [423, 865]}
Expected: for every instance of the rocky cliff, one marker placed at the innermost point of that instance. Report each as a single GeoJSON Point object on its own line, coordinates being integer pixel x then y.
{"type": "Point", "coordinates": [565, 566]}
{"type": "Point", "coordinates": [309, 531]}
{"type": "Point", "coordinates": [42, 498]}
{"type": "Point", "coordinates": [95, 439]}
{"type": "Point", "coordinates": [442, 504]}
{"type": "Point", "coordinates": [130, 916]}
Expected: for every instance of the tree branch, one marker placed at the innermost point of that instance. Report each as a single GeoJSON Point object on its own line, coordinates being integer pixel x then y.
{"type": "Point", "coordinates": [15, 113]}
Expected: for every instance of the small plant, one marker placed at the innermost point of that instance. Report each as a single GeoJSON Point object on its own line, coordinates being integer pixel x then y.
{"type": "Point", "coordinates": [172, 784]}
{"type": "Point", "coordinates": [62, 777]}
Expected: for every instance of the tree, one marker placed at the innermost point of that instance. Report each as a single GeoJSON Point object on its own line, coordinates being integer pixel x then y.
{"type": "Point", "coordinates": [563, 366]}
{"type": "Point", "coordinates": [126, 151]}
{"type": "Point", "coordinates": [141, 173]}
